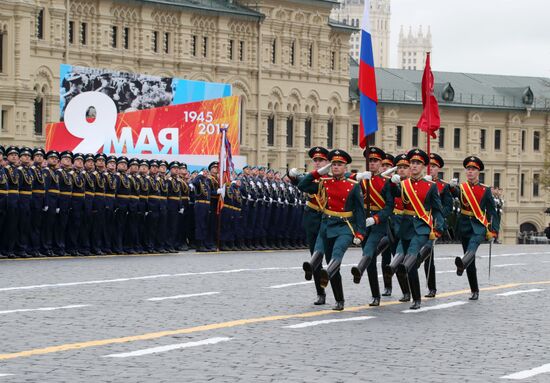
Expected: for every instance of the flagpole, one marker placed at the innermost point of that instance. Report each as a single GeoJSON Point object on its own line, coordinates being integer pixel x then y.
{"type": "Point", "coordinates": [429, 116]}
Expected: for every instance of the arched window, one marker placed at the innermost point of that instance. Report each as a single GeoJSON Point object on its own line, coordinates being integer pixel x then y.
{"type": "Point", "coordinates": [38, 115]}
{"type": "Point", "coordinates": [290, 131]}
{"type": "Point", "coordinates": [330, 133]}
{"type": "Point", "coordinates": [271, 131]}
{"type": "Point", "coordinates": [307, 132]}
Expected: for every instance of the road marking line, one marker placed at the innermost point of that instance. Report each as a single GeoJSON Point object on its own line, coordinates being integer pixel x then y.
{"type": "Point", "coordinates": [156, 299]}
{"type": "Point", "coordinates": [1, 375]}
{"type": "Point", "coordinates": [43, 309]}
{"type": "Point", "coordinates": [170, 347]}
{"type": "Point", "coordinates": [519, 292]}
{"type": "Point", "coordinates": [320, 322]}
{"type": "Point", "coordinates": [445, 271]}
{"type": "Point", "coordinates": [436, 307]}
{"type": "Point", "coordinates": [229, 324]}
{"type": "Point", "coordinates": [528, 373]}
{"type": "Point", "coordinates": [289, 285]}
{"type": "Point", "coordinates": [496, 255]}
{"type": "Point", "coordinates": [510, 264]}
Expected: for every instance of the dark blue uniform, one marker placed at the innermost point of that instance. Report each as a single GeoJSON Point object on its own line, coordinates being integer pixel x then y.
{"type": "Point", "coordinates": [202, 188]}
{"type": "Point", "coordinates": [173, 210]}
{"type": "Point", "coordinates": [76, 214]}
{"type": "Point", "coordinates": [24, 208]}
{"type": "Point", "coordinates": [122, 202]}
{"type": "Point", "coordinates": [3, 207]}
{"type": "Point", "coordinates": [51, 185]}
{"type": "Point", "coordinates": [132, 227]}
{"type": "Point", "coordinates": [63, 206]}
{"type": "Point", "coordinates": [11, 231]}
{"type": "Point", "coordinates": [110, 226]}
{"type": "Point", "coordinates": [37, 210]}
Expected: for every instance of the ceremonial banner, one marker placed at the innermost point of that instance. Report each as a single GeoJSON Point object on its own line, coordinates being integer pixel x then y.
{"type": "Point", "coordinates": [193, 128]}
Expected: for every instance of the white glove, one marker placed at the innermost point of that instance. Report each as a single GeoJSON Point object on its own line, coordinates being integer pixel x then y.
{"type": "Point", "coordinates": [364, 176]}
{"type": "Point", "coordinates": [57, 210]}
{"type": "Point", "coordinates": [324, 170]}
{"type": "Point", "coordinates": [252, 183]}
{"type": "Point", "coordinates": [356, 241]}
{"type": "Point", "coordinates": [454, 182]}
{"type": "Point", "coordinates": [221, 191]}
{"type": "Point", "coordinates": [370, 221]}
{"type": "Point", "coordinates": [396, 179]}
{"type": "Point", "coordinates": [293, 172]}
{"type": "Point", "coordinates": [202, 173]}
{"type": "Point", "coordinates": [270, 200]}
{"type": "Point", "coordinates": [250, 198]}
{"type": "Point", "coordinates": [146, 213]}
{"type": "Point", "coordinates": [191, 186]}
{"type": "Point", "coordinates": [259, 184]}
{"type": "Point", "coordinates": [428, 178]}
{"type": "Point", "coordinates": [181, 211]}
{"type": "Point", "coordinates": [45, 208]}
{"type": "Point", "coordinates": [279, 200]}
{"type": "Point", "coordinates": [389, 171]}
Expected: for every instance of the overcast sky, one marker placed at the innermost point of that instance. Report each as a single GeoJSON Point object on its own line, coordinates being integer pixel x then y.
{"type": "Point", "coordinates": [480, 36]}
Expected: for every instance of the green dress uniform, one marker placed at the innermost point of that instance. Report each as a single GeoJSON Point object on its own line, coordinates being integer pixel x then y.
{"type": "Point", "coordinates": [478, 221]}
{"type": "Point", "coordinates": [343, 219]}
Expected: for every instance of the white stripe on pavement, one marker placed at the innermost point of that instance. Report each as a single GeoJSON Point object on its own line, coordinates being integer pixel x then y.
{"type": "Point", "coordinates": [528, 373]}
{"type": "Point", "coordinates": [320, 322]}
{"type": "Point", "coordinates": [519, 292]}
{"type": "Point", "coordinates": [445, 271]}
{"type": "Point", "coordinates": [1, 375]}
{"type": "Point", "coordinates": [170, 347]}
{"type": "Point", "coordinates": [436, 307]}
{"type": "Point", "coordinates": [510, 264]}
{"type": "Point", "coordinates": [289, 285]}
{"type": "Point", "coordinates": [498, 255]}
{"type": "Point", "coordinates": [43, 309]}
{"type": "Point", "coordinates": [183, 296]}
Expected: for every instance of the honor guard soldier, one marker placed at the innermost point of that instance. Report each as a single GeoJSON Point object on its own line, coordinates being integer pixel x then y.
{"type": "Point", "coordinates": [387, 163]}
{"type": "Point", "coordinates": [153, 218]}
{"type": "Point", "coordinates": [144, 236]}
{"type": "Point", "coordinates": [51, 209]}
{"type": "Point", "coordinates": [25, 202]}
{"type": "Point", "coordinates": [38, 206]}
{"type": "Point", "coordinates": [88, 220]}
{"type": "Point", "coordinates": [478, 219]}
{"type": "Point", "coordinates": [163, 217]}
{"type": "Point", "coordinates": [64, 202]}
{"type": "Point", "coordinates": [3, 203]}
{"type": "Point", "coordinates": [379, 206]}
{"type": "Point", "coordinates": [186, 217]}
{"type": "Point", "coordinates": [421, 220]}
{"type": "Point", "coordinates": [436, 164]}
{"type": "Point", "coordinates": [313, 214]}
{"type": "Point", "coordinates": [122, 201]}
{"type": "Point", "coordinates": [132, 227]}
{"type": "Point", "coordinates": [100, 203]}
{"type": "Point", "coordinates": [343, 220]}
{"type": "Point", "coordinates": [175, 208]}
{"type": "Point", "coordinates": [212, 238]}
{"type": "Point", "coordinates": [202, 189]}
{"type": "Point", "coordinates": [110, 227]}
{"type": "Point", "coordinates": [76, 211]}
{"type": "Point", "coordinates": [13, 175]}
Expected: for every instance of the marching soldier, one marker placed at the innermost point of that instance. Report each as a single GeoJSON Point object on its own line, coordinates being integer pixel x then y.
{"type": "Point", "coordinates": [25, 201]}
{"type": "Point", "coordinates": [421, 220]}
{"type": "Point", "coordinates": [13, 178]}
{"type": "Point", "coordinates": [478, 219]}
{"type": "Point", "coordinates": [122, 201]}
{"type": "Point", "coordinates": [343, 220]}
{"type": "Point", "coordinates": [63, 203]}
{"type": "Point", "coordinates": [38, 206]}
{"type": "Point", "coordinates": [77, 205]}
{"type": "Point", "coordinates": [313, 214]}
{"type": "Point", "coordinates": [379, 205]}
{"type": "Point", "coordinates": [51, 209]}
{"type": "Point", "coordinates": [387, 163]}
{"type": "Point", "coordinates": [436, 164]}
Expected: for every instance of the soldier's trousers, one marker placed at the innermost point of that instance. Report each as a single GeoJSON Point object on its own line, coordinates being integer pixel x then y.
{"type": "Point", "coordinates": [311, 236]}
{"type": "Point", "coordinates": [24, 240]}
{"type": "Point", "coordinates": [202, 213]}
{"type": "Point", "coordinates": [121, 214]}
{"type": "Point", "coordinates": [369, 250]}
{"type": "Point", "coordinates": [108, 229]}
{"type": "Point", "coordinates": [60, 230]}
{"type": "Point", "coordinates": [212, 238]}
{"type": "Point", "coordinates": [471, 242]}
{"type": "Point", "coordinates": [152, 220]}
{"type": "Point", "coordinates": [48, 219]}
{"type": "Point", "coordinates": [75, 225]}
{"type": "Point", "coordinates": [36, 229]}
{"type": "Point", "coordinates": [250, 220]}
{"type": "Point", "coordinates": [162, 234]}
{"type": "Point", "coordinates": [132, 228]}
{"type": "Point", "coordinates": [429, 269]}
{"type": "Point", "coordinates": [411, 248]}
{"type": "Point", "coordinates": [172, 228]}
{"type": "Point", "coordinates": [97, 230]}
{"type": "Point", "coordinates": [85, 237]}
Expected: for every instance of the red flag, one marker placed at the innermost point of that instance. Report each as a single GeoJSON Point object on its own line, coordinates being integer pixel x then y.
{"type": "Point", "coordinates": [429, 121]}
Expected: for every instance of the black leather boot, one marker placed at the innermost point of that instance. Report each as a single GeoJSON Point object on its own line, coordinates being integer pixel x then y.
{"type": "Point", "coordinates": [405, 298]}
{"type": "Point", "coordinates": [339, 306]}
{"type": "Point", "coordinates": [312, 264]}
{"type": "Point", "coordinates": [475, 296]}
{"type": "Point", "coordinates": [357, 271]}
{"type": "Point", "coordinates": [321, 300]}
{"type": "Point", "coordinates": [375, 302]}
{"type": "Point", "coordinates": [415, 306]}
{"type": "Point", "coordinates": [463, 263]}
{"type": "Point", "coordinates": [326, 275]}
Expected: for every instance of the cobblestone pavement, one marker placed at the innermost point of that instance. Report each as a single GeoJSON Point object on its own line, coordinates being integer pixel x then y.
{"type": "Point", "coordinates": [249, 317]}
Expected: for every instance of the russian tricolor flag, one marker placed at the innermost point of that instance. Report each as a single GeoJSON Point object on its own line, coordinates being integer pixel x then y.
{"type": "Point", "coordinates": [368, 98]}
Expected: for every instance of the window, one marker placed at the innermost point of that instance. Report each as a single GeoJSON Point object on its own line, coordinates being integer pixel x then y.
{"type": "Point", "coordinates": [371, 139]}
{"type": "Point", "coordinates": [497, 139]}
{"type": "Point", "coordinates": [83, 36]}
{"type": "Point", "coordinates": [415, 137]}
{"type": "Point", "coordinates": [126, 38]}
{"type": "Point", "coordinates": [522, 185]}
{"type": "Point", "coordinates": [241, 50]}
{"type": "Point", "coordinates": [4, 121]}
{"type": "Point", "coordinates": [204, 46]}
{"type": "Point", "coordinates": [332, 60]}
{"type": "Point", "coordinates": [38, 115]}
{"type": "Point", "coordinates": [114, 37]}
{"type": "Point", "coordinates": [310, 56]}
{"type": "Point", "coordinates": [536, 182]}
{"type": "Point", "coordinates": [292, 52]}
{"type": "Point", "coordinates": [1, 52]}
{"type": "Point", "coordinates": [155, 41]}
{"type": "Point", "coordinates": [482, 138]}
{"type": "Point", "coordinates": [399, 136]}
{"type": "Point", "coordinates": [456, 140]}
{"type": "Point", "coordinates": [481, 178]}
{"type": "Point", "coordinates": [536, 140]}
{"type": "Point", "coordinates": [40, 24]}
{"type": "Point", "coordinates": [456, 175]}
{"type": "Point", "coordinates": [496, 180]}
{"type": "Point", "coordinates": [166, 42]}
{"type": "Point", "coordinates": [274, 51]}
{"type": "Point", "coordinates": [523, 136]}
{"type": "Point", "coordinates": [355, 135]}
{"type": "Point", "coordinates": [330, 133]}
{"type": "Point", "coordinates": [194, 45]}
{"type": "Point", "coordinates": [271, 131]}
{"type": "Point", "coordinates": [290, 132]}
{"type": "Point", "coordinates": [230, 49]}
{"type": "Point", "coordinates": [307, 133]}
{"type": "Point", "coordinates": [441, 138]}
{"type": "Point", "coordinates": [71, 32]}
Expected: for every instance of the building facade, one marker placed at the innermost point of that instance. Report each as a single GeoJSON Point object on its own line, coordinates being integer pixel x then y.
{"type": "Point", "coordinates": [350, 12]}
{"type": "Point", "coordinates": [289, 64]}
{"type": "Point", "coordinates": [412, 48]}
